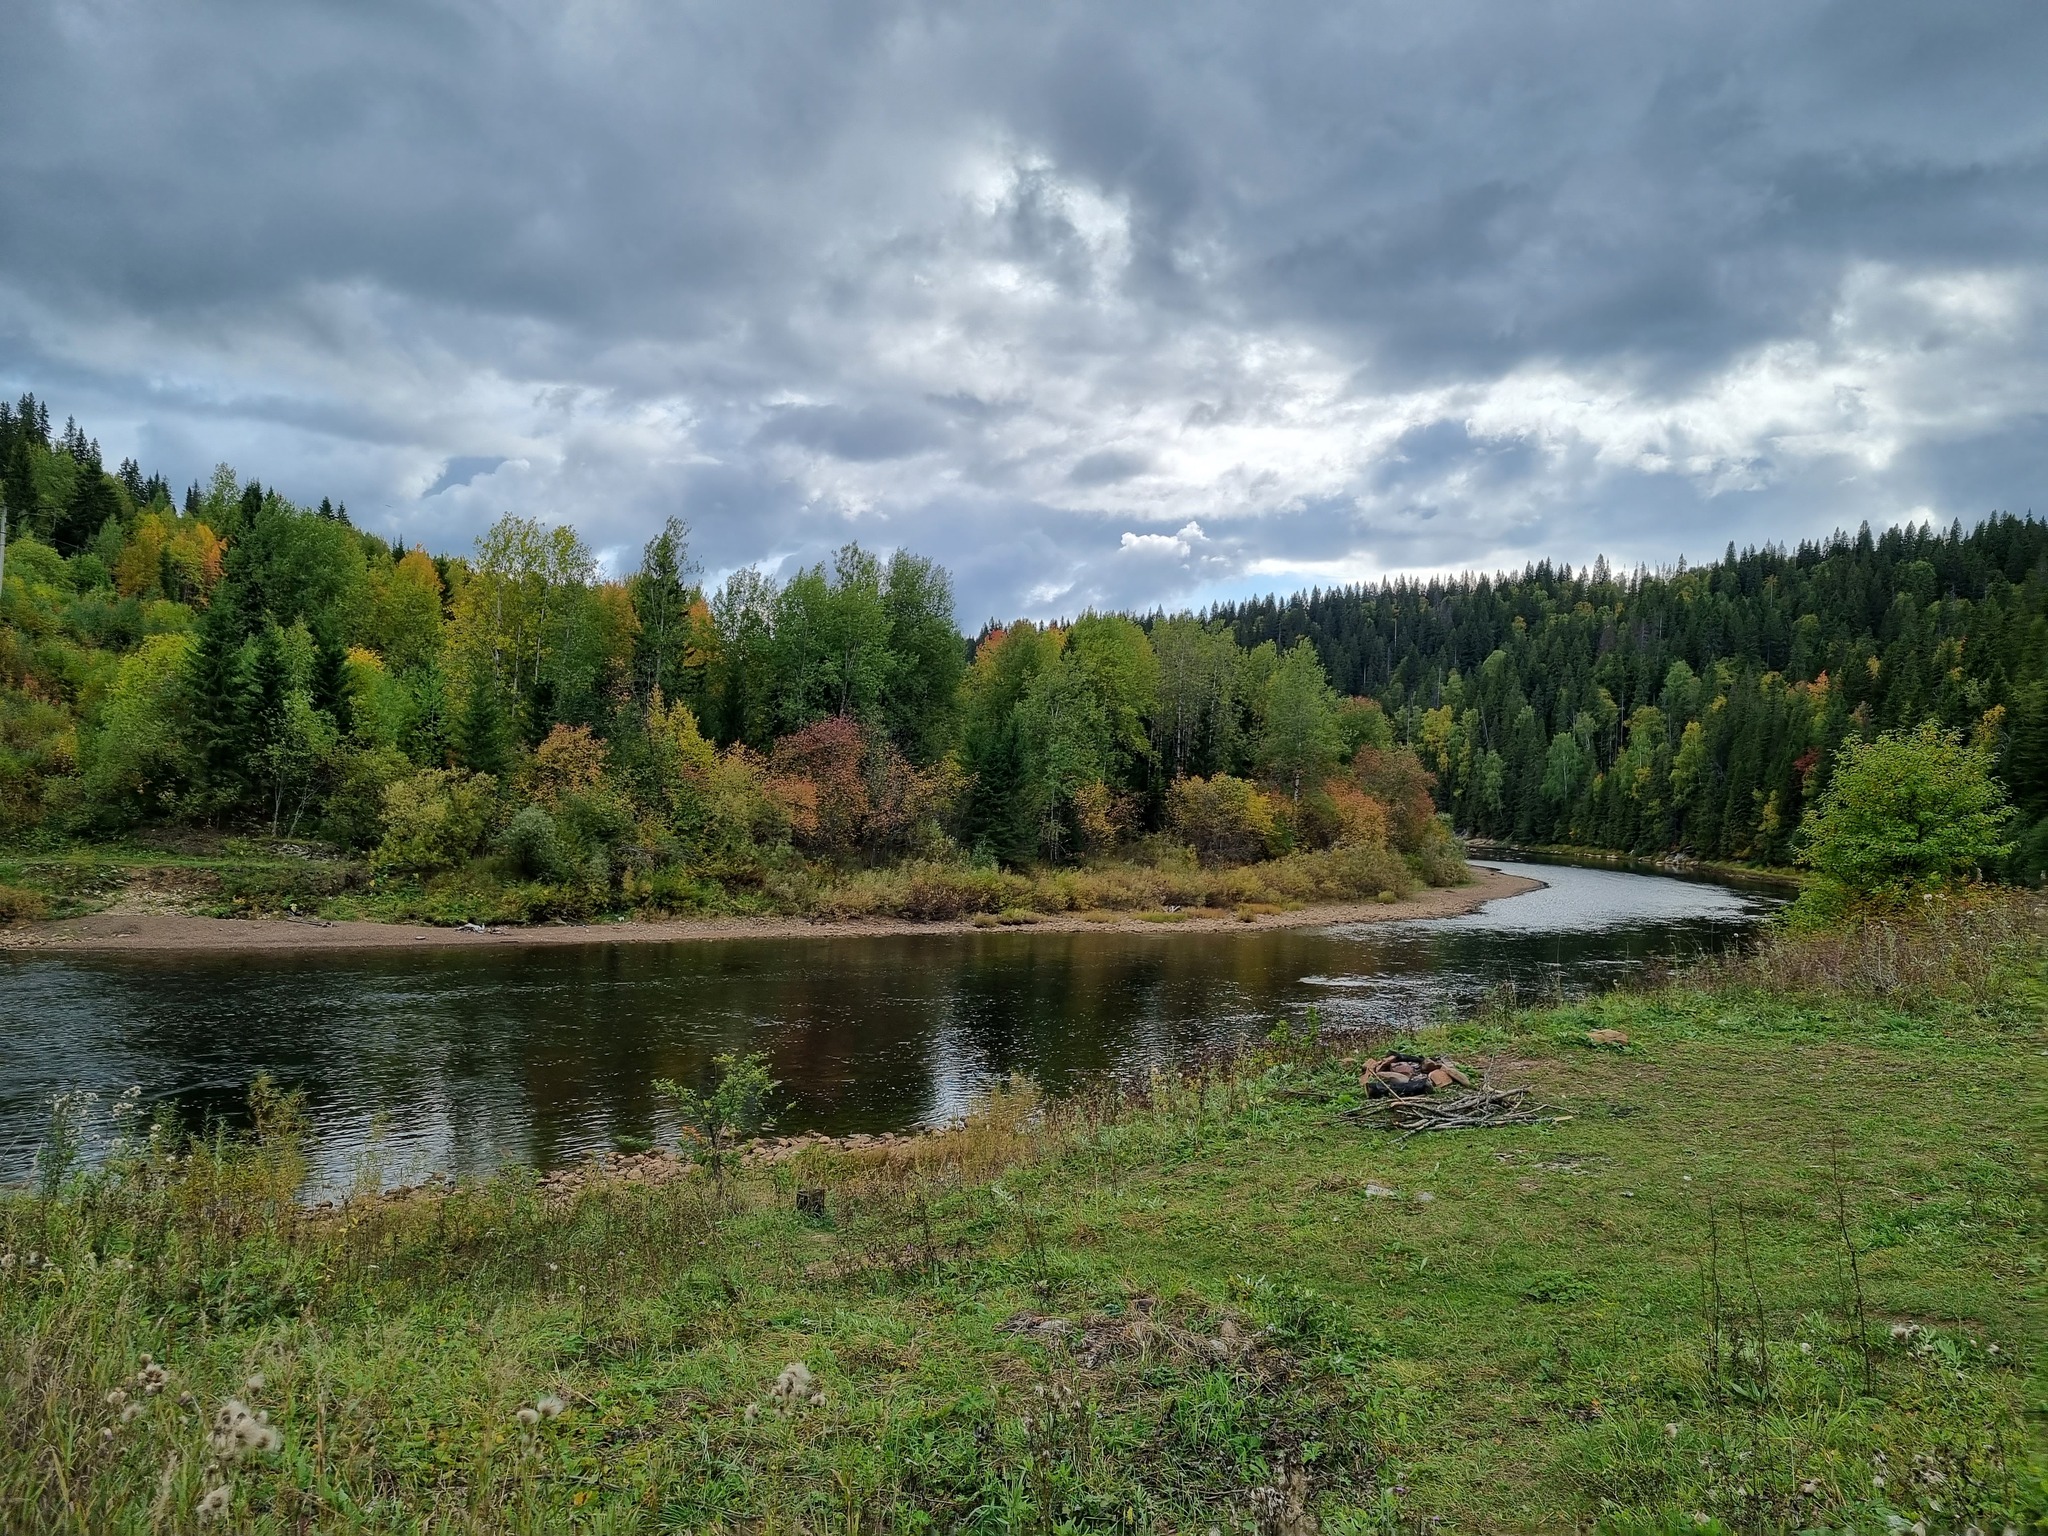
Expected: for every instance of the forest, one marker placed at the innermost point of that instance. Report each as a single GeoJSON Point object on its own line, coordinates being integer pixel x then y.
{"type": "Point", "coordinates": [512, 717]}
{"type": "Point", "coordinates": [1699, 709]}
{"type": "Point", "coordinates": [230, 660]}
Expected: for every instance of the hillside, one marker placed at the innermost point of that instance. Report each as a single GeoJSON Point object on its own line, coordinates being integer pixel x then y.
{"type": "Point", "coordinates": [1697, 708]}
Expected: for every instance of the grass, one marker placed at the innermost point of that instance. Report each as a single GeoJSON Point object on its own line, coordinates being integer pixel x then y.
{"type": "Point", "coordinates": [237, 877]}
{"type": "Point", "coordinates": [1777, 1265]}
{"type": "Point", "coordinates": [223, 876]}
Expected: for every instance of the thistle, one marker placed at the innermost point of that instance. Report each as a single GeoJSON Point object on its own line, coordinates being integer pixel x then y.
{"type": "Point", "coordinates": [237, 1431]}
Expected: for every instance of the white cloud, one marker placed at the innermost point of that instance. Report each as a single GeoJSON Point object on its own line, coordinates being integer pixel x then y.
{"type": "Point", "coordinates": [1326, 295]}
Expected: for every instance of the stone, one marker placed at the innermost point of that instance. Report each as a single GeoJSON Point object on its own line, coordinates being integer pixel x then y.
{"type": "Point", "coordinates": [1440, 1079]}
{"type": "Point", "coordinates": [1456, 1076]}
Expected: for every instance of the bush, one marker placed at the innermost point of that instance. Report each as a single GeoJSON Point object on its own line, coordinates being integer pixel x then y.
{"type": "Point", "coordinates": [355, 811]}
{"type": "Point", "coordinates": [1438, 857]}
{"type": "Point", "coordinates": [1395, 777]}
{"type": "Point", "coordinates": [570, 762]}
{"type": "Point", "coordinates": [1225, 820]}
{"type": "Point", "coordinates": [926, 889]}
{"type": "Point", "coordinates": [1906, 812]}
{"type": "Point", "coordinates": [850, 793]}
{"type": "Point", "coordinates": [434, 819]}
{"type": "Point", "coordinates": [595, 820]}
{"type": "Point", "coordinates": [533, 847]}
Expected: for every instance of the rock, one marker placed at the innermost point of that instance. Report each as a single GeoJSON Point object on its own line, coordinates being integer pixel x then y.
{"type": "Point", "coordinates": [1441, 1079]}
{"type": "Point", "coordinates": [1456, 1076]}
{"type": "Point", "coordinates": [1606, 1037]}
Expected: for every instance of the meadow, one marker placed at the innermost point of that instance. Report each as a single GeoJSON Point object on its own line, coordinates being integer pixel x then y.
{"type": "Point", "coordinates": [1774, 1264]}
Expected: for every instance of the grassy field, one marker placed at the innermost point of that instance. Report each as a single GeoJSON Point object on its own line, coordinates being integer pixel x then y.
{"type": "Point", "coordinates": [219, 876]}
{"type": "Point", "coordinates": [1776, 1264]}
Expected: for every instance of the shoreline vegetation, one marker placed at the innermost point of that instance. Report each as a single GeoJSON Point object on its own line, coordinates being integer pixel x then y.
{"type": "Point", "coordinates": [1769, 1262]}
{"type": "Point", "coordinates": [302, 720]}
{"type": "Point", "coordinates": [307, 719]}
{"type": "Point", "coordinates": [142, 927]}
{"type": "Point", "coordinates": [1680, 864]}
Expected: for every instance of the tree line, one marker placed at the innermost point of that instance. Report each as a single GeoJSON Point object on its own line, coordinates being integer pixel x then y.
{"type": "Point", "coordinates": [1698, 708]}
{"type": "Point", "coordinates": [240, 660]}
{"type": "Point", "coordinates": [233, 658]}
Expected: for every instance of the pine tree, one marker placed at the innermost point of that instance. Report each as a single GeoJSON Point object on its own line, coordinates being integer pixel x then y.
{"type": "Point", "coordinates": [428, 737]}
{"type": "Point", "coordinates": [483, 735]}
{"type": "Point", "coordinates": [92, 501]}
{"type": "Point", "coordinates": [661, 602]}
{"type": "Point", "coordinates": [217, 697]}
{"type": "Point", "coordinates": [2026, 753]}
{"type": "Point", "coordinates": [331, 692]}
{"type": "Point", "coordinates": [266, 682]}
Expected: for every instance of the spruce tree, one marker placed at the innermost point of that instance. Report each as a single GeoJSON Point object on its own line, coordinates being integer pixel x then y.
{"type": "Point", "coordinates": [92, 501]}
{"type": "Point", "coordinates": [216, 696]}
{"type": "Point", "coordinates": [483, 734]}
{"type": "Point", "coordinates": [331, 693]}
{"type": "Point", "coordinates": [265, 685]}
{"type": "Point", "coordinates": [661, 602]}
{"type": "Point", "coordinates": [428, 735]}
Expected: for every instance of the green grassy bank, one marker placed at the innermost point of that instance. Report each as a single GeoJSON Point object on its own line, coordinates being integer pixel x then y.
{"type": "Point", "coordinates": [1776, 1264]}
{"type": "Point", "coordinates": [218, 876]}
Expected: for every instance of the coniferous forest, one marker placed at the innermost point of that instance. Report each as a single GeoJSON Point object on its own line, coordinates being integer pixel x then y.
{"type": "Point", "coordinates": [1697, 709]}
{"type": "Point", "coordinates": [224, 658]}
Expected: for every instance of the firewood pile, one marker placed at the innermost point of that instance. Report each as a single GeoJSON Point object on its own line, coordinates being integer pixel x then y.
{"type": "Point", "coordinates": [1455, 1112]}
{"type": "Point", "coordinates": [1430, 1093]}
{"type": "Point", "coordinates": [1399, 1075]}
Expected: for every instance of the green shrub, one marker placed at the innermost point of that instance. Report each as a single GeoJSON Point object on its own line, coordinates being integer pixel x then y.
{"type": "Point", "coordinates": [355, 811]}
{"type": "Point", "coordinates": [434, 819]}
{"type": "Point", "coordinates": [1438, 857]}
{"type": "Point", "coordinates": [533, 847]}
{"type": "Point", "coordinates": [1906, 812]}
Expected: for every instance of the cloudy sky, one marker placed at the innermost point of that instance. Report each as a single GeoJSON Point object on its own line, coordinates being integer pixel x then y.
{"type": "Point", "coordinates": [1096, 303]}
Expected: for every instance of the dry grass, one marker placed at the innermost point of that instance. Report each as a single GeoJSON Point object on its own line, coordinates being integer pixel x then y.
{"type": "Point", "coordinates": [936, 890]}
{"type": "Point", "coordinates": [1956, 947]}
{"type": "Point", "coordinates": [21, 905]}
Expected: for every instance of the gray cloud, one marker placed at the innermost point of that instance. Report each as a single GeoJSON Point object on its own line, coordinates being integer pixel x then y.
{"type": "Point", "coordinates": [1349, 290]}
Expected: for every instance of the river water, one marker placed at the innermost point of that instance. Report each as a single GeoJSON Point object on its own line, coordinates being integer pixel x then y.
{"type": "Point", "coordinates": [459, 1060]}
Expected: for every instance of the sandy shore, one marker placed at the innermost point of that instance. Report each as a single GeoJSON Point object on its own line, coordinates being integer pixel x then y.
{"type": "Point", "coordinates": [144, 932]}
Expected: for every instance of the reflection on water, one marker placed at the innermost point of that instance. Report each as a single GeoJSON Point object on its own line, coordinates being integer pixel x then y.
{"type": "Point", "coordinates": [460, 1059]}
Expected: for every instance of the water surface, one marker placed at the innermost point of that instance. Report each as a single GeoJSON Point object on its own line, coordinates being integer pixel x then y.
{"type": "Point", "coordinates": [457, 1060]}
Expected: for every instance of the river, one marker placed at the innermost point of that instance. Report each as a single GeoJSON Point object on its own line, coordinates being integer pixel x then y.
{"type": "Point", "coordinates": [456, 1061]}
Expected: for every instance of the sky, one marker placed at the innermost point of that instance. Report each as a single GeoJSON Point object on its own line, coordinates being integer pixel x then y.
{"type": "Point", "coordinates": [1099, 305]}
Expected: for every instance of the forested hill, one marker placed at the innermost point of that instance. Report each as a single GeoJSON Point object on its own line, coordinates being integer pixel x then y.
{"type": "Point", "coordinates": [1696, 708]}
{"type": "Point", "coordinates": [229, 659]}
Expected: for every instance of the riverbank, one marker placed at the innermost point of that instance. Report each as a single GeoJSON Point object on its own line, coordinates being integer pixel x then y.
{"type": "Point", "coordinates": [1678, 864]}
{"type": "Point", "coordinates": [1729, 1284]}
{"type": "Point", "coordinates": [145, 927]}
